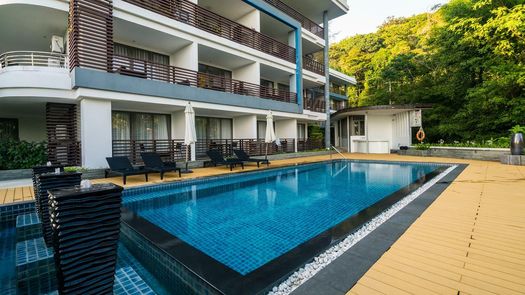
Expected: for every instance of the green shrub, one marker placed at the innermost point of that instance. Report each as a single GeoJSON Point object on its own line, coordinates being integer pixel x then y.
{"type": "Point", "coordinates": [21, 154]}
{"type": "Point", "coordinates": [422, 146]}
{"type": "Point", "coordinates": [500, 142]}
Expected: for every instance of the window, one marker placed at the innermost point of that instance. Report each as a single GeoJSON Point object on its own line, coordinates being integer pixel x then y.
{"type": "Point", "coordinates": [213, 128]}
{"type": "Point", "coordinates": [140, 126]}
{"type": "Point", "coordinates": [8, 129]}
{"type": "Point", "coordinates": [283, 87]}
{"type": "Point", "coordinates": [358, 125]}
{"type": "Point", "coordinates": [301, 134]}
{"type": "Point", "coordinates": [267, 83]}
{"type": "Point", "coordinates": [215, 71]}
{"type": "Point", "coordinates": [137, 53]}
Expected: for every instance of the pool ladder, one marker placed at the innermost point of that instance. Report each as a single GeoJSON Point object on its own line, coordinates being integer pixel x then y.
{"type": "Point", "coordinates": [339, 152]}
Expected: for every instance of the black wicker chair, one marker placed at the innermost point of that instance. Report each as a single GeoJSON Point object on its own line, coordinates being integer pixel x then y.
{"type": "Point", "coordinates": [153, 162]}
{"type": "Point", "coordinates": [243, 156]}
{"type": "Point", "coordinates": [121, 165]}
{"type": "Point", "coordinates": [217, 159]}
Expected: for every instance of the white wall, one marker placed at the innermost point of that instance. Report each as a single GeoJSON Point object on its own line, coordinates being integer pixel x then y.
{"type": "Point", "coordinates": [379, 129]}
{"type": "Point", "coordinates": [286, 129]}
{"type": "Point", "coordinates": [186, 57]}
{"type": "Point", "coordinates": [249, 73]}
{"type": "Point", "coordinates": [95, 132]}
{"type": "Point", "coordinates": [252, 20]}
{"type": "Point", "coordinates": [245, 127]}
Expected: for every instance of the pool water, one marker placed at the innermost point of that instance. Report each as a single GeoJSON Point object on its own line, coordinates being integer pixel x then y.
{"type": "Point", "coordinates": [246, 221]}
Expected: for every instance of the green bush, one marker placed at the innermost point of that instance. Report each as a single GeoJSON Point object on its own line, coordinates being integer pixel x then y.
{"type": "Point", "coordinates": [500, 142]}
{"type": "Point", "coordinates": [21, 154]}
{"type": "Point", "coordinates": [422, 146]}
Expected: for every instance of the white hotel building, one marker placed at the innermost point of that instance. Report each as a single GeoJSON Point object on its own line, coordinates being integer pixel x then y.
{"type": "Point", "coordinates": [96, 78]}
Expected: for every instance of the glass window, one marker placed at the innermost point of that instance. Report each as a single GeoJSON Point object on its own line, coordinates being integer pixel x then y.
{"type": "Point", "coordinates": [213, 128]}
{"type": "Point", "coordinates": [214, 71]}
{"type": "Point", "coordinates": [137, 53]}
{"type": "Point", "coordinates": [140, 126]}
{"type": "Point", "coordinates": [283, 87]}
{"type": "Point", "coordinates": [261, 129]}
{"type": "Point", "coordinates": [358, 127]}
{"type": "Point", "coordinates": [8, 129]}
{"type": "Point", "coordinates": [301, 134]}
{"type": "Point", "coordinates": [267, 83]}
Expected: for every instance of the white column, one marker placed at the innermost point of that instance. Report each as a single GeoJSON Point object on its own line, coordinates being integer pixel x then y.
{"type": "Point", "coordinates": [248, 73]}
{"type": "Point", "coordinates": [252, 20]}
{"type": "Point", "coordinates": [245, 127]}
{"type": "Point", "coordinates": [178, 127]}
{"type": "Point", "coordinates": [95, 132]}
{"type": "Point", "coordinates": [186, 57]}
{"type": "Point", "coordinates": [287, 129]}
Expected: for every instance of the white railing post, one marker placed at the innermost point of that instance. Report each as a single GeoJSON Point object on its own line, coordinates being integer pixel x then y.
{"type": "Point", "coordinates": [32, 60]}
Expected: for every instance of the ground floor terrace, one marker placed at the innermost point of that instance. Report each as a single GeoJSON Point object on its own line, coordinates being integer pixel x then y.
{"type": "Point", "coordinates": [470, 240]}
{"type": "Point", "coordinates": [84, 132]}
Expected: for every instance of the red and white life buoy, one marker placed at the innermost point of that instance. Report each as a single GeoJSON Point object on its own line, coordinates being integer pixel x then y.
{"type": "Point", "coordinates": [420, 135]}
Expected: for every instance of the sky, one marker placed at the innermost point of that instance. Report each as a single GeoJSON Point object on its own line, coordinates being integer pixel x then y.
{"type": "Point", "coordinates": [366, 15]}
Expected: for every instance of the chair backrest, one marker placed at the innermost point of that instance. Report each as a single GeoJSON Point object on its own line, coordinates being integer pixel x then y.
{"type": "Point", "coordinates": [152, 160]}
{"type": "Point", "coordinates": [242, 155]}
{"type": "Point", "coordinates": [215, 156]}
{"type": "Point", "coordinates": [119, 163]}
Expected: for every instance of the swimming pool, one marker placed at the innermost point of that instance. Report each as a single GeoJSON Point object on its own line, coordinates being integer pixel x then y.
{"type": "Point", "coordinates": [250, 230]}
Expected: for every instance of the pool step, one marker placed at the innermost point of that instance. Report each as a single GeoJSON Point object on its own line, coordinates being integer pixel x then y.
{"type": "Point", "coordinates": [33, 260]}
{"type": "Point", "coordinates": [127, 281]}
{"type": "Point", "coordinates": [28, 227]}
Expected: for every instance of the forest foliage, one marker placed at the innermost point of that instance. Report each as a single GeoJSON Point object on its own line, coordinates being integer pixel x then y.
{"type": "Point", "coordinates": [467, 58]}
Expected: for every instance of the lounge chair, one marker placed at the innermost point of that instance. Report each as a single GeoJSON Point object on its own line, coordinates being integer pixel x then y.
{"type": "Point", "coordinates": [122, 165]}
{"type": "Point", "coordinates": [217, 159]}
{"type": "Point", "coordinates": [153, 162]}
{"type": "Point", "coordinates": [243, 156]}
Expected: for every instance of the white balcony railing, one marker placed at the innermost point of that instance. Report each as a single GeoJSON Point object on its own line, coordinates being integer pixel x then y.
{"type": "Point", "coordinates": [33, 59]}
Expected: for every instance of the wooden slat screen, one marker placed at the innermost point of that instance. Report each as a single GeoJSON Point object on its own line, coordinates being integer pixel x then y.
{"type": "Point", "coordinates": [63, 146]}
{"type": "Point", "coordinates": [91, 34]}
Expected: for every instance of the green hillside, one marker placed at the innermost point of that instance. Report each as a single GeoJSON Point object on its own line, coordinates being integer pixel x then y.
{"type": "Point", "coordinates": [467, 58]}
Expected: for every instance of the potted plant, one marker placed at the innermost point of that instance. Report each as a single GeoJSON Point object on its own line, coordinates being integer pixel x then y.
{"type": "Point", "coordinates": [516, 141]}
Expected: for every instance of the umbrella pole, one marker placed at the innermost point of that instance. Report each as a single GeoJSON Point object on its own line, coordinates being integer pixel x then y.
{"type": "Point", "coordinates": [186, 170]}
{"type": "Point", "coordinates": [266, 153]}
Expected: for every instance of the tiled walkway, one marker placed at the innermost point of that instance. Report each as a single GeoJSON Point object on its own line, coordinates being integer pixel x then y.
{"type": "Point", "coordinates": [471, 240]}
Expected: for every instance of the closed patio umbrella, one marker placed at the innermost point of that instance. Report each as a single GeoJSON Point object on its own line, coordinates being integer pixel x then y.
{"type": "Point", "coordinates": [190, 135]}
{"type": "Point", "coordinates": [270, 133]}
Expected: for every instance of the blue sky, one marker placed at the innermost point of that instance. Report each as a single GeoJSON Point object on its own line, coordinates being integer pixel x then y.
{"type": "Point", "coordinates": [366, 15]}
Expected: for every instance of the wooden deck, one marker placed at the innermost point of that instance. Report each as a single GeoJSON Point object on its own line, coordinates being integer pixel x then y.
{"type": "Point", "coordinates": [471, 240]}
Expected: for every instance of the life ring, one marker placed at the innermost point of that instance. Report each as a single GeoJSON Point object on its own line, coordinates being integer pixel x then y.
{"type": "Point", "coordinates": [420, 135]}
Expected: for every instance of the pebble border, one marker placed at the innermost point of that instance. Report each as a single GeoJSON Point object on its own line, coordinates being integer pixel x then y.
{"type": "Point", "coordinates": [321, 261]}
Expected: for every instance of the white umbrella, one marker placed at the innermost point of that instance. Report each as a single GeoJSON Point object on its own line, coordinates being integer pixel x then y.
{"type": "Point", "coordinates": [270, 133]}
{"type": "Point", "coordinates": [190, 135]}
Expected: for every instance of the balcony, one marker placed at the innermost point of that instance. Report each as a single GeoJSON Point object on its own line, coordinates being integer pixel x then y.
{"type": "Point", "coordinates": [312, 65]}
{"type": "Point", "coordinates": [33, 59]}
{"type": "Point", "coordinates": [201, 18]}
{"type": "Point", "coordinates": [306, 23]}
{"type": "Point", "coordinates": [175, 75]}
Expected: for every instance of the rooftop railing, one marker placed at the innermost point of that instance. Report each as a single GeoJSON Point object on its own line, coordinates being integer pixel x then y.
{"type": "Point", "coordinates": [199, 17]}
{"type": "Point", "coordinates": [159, 72]}
{"type": "Point", "coordinates": [33, 58]}
{"type": "Point", "coordinates": [306, 23]}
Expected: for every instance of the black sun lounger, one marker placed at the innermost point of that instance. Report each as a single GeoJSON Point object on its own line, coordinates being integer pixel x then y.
{"type": "Point", "coordinates": [122, 165]}
{"type": "Point", "coordinates": [153, 162]}
{"type": "Point", "coordinates": [243, 156]}
{"type": "Point", "coordinates": [217, 159]}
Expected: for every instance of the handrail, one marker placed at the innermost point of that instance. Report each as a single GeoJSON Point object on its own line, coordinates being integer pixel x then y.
{"type": "Point", "coordinates": [335, 149]}
{"type": "Point", "coordinates": [312, 65]}
{"type": "Point", "coordinates": [206, 20]}
{"type": "Point", "coordinates": [306, 23]}
{"type": "Point", "coordinates": [34, 59]}
{"type": "Point", "coordinates": [167, 73]}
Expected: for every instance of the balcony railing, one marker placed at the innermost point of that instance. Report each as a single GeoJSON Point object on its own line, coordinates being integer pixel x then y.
{"type": "Point", "coordinates": [305, 22]}
{"type": "Point", "coordinates": [311, 64]}
{"type": "Point", "coordinates": [33, 58]}
{"type": "Point", "coordinates": [253, 147]}
{"type": "Point", "coordinates": [314, 105]}
{"type": "Point", "coordinates": [199, 17]}
{"type": "Point", "coordinates": [166, 73]}
{"type": "Point", "coordinates": [309, 144]}
{"type": "Point", "coordinates": [169, 149]}
{"type": "Point", "coordinates": [175, 150]}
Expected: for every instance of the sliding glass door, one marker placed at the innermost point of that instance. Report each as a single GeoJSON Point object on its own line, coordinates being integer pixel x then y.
{"type": "Point", "coordinates": [140, 126]}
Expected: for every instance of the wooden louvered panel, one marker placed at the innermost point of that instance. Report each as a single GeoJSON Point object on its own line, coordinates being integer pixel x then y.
{"type": "Point", "coordinates": [91, 34]}
{"type": "Point", "coordinates": [63, 146]}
